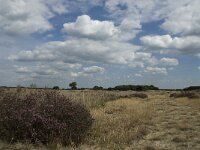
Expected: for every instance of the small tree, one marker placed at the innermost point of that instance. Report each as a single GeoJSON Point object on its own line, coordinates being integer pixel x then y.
{"type": "Point", "coordinates": [97, 88]}
{"type": "Point", "coordinates": [73, 85]}
{"type": "Point", "coordinates": [56, 88]}
{"type": "Point", "coordinates": [33, 86]}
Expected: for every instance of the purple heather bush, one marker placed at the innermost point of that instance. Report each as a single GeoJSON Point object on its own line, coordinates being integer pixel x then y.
{"type": "Point", "coordinates": [184, 94]}
{"type": "Point", "coordinates": [42, 117]}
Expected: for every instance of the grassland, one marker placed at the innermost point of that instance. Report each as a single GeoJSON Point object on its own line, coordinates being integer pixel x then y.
{"type": "Point", "coordinates": [122, 121]}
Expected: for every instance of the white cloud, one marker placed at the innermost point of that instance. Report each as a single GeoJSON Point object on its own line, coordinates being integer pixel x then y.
{"type": "Point", "coordinates": [88, 51]}
{"type": "Point", "coordinates": [168, 62]}
{"type": "Point", "coordinates": [157, 41]}
{"type": "Point", "coordinates": [184, 19]}
{"type": "Point", "coordinates": [59, 7]}
{"type": "Point", "coordinates": [21, 17]}
{"type": "Point", "coordinates": [86, 27]}
{"type": "Point", "coordinates": [44, 72]}
{"type": "Point", "coordinates": [187, 44]}
{"type": "Point", "coordinates": [87, 71]}
{"type": "Point", "coordinates": [180, 16]}
{"type": "Point", "coordinates": [137, 10]}
{"type": "Point", "coordinates": [36, 70]}
{"type": "Point", "coordinates": [22, 70]}
{"type": "Point", "coordinates": [199, 67]}
{"type": "Point", "coordinates": [83, 50]}
{"type": "Point", "coordinates": [156, 70]}
{"type": "Point", "coordinates": [65, 66]}
{"type": "Point", "coordinates": [138, 75]}
{"type": "Point", "coordinates": [36, 55]}
{"type": "Point", "coordinates": [24, 17]}
{"type": "Point", "coordinates": [93, 69]}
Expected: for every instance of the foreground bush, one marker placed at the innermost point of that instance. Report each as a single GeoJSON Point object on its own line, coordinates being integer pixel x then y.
{"type": "Point", "coordinates": [42, 117]}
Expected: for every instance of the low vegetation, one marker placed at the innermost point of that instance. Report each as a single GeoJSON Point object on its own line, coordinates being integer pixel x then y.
{"type": "Point", "coordinates": [184, 94]}
{"type": "Point", "coordinates": [190, 88]}
{"type": "Point", "coordinates": [116, 119]}
{"type": "Point", "coordinates": [42, 117]}
{"type": "Point", "coordinates": [140, 95]}
{"type": "Point", "coordinates": [134, 87]}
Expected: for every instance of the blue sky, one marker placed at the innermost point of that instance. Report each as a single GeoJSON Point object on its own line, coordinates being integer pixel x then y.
{"type": "Point", "coordinates": [100, 42]}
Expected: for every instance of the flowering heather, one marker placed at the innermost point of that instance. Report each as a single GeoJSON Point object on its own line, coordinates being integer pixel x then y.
{"type": "Point", "coordinates": [42, 117]}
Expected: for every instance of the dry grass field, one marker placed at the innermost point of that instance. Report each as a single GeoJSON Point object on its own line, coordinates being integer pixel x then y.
{"type": "Point", "coordinates": [122, 121]}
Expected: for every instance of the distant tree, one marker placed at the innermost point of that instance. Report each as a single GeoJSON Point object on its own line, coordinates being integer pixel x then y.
{"type": "Point", "coordinates": [56, 88]}
{"type": "Point", "coordinates": [135, 87]}
{"type": "Point", "coordinates": [97, 88]}
{"type": "Point", "coordinates": [33, 86]}
{"type": "Point", "coordinates": [73, 85]}
{"type": "Point", "coordinates": [190, 88]}
{"type": "Point", "coordinates": [46, 87]}
{"type": "Point", "coordinates": [19, 88]}
{"type": "Point", "coordinates": [110, 89]}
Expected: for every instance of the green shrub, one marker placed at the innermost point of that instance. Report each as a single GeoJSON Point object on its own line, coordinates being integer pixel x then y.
{"type": "Point", "coordinates": [56, 88]}
{"type": "Point", "coordinates": [42, 117]}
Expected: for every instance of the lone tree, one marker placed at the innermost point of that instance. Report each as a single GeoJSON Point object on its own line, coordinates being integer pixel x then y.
{"type": "Point", "coordinates": [56, 88]}
{"type": "Point", "coordinates": [73, 85]}
{"type": "Point", "coordinates": [97, 88]}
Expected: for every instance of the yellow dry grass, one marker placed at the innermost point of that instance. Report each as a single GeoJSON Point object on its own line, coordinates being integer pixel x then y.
{"type": "Point", "coordinates": [119, 123]}
{"type": "Point", "coordinates": [194, 103]}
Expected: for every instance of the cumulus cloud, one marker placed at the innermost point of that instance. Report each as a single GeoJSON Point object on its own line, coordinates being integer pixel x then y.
{"type": "Point", "coordinates": [51, 68]}
{"type": "Point", "coordinates": [156, 70]}
{"type": "Point", "coordinates": [83, 50]}
{"type": "Point", "coordinates": [187, 44]}
{"type": "Point", "coordinates": [180, 16]}
{"type": "Point", "coordinates": [138, 75]}
{"type": "Point", "coordinates": [36, 70]}
{"type": "Point", "coordinates": [86, 27]}
{"type": "Point", "coordinates": [80, 51]}
{"type": "Point", "coordinates": [157, 41]}
{"type": "Point", "coordinates": [23, 70]}
{"type": "Point", "coordinates": [169, 62]}
{"type": "Point", "coordinates": [137, 10]}
{"type": "Point", "coordinates": [65, 66]}
{"type": "Point", "coordinates": [36, 55]}
{"type": "Point", "coordinates": [24, 16]}
{"type": "Point", "coordinates": [93, 69]}
{"type": "Point", "coordinates": [184, 19]}
{"type": "Point", "coordinates": [87, 71]}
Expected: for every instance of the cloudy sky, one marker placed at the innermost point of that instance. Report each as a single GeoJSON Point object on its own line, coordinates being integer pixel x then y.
{"type": "Point", "coordinates": [100, 42]}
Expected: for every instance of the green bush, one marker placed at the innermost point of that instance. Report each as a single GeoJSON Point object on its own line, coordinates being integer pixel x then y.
{"type": "Point", "coordinates": [42, 117]}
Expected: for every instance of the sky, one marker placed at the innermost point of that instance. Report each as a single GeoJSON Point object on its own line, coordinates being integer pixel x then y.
{"type": "Point", "coordinates": [100, 42]}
